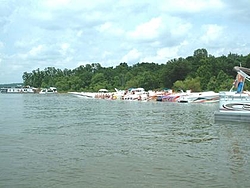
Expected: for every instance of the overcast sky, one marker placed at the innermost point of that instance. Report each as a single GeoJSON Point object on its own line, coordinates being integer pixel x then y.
{"type": "Point", "coordinates": [68, 33]}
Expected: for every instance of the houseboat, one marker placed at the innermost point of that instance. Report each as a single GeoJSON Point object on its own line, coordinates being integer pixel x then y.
{"type": "Point", "coordinates": [18, 89]}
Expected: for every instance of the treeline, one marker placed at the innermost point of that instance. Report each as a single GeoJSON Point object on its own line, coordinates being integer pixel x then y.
{"type": "Point", "coordinates": [10, 85]}
{"type": "Point", "coordinates": [200, 72]}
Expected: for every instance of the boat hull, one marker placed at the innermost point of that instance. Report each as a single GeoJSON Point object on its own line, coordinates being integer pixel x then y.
{"type": "Point", "coordinates": [233, 107]}
{"type": "Point", "coordinates": [232, 116]}
{"type": "Point", "coordinates": [231, 101]}
{"type": "Point", "coordinates": [202, 97]}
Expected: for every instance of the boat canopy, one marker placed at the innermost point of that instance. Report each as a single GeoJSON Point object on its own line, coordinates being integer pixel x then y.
{"type": "Point", "coordinates": [245, 72]}
{"type": "Point", "coordinates": [103, 90]}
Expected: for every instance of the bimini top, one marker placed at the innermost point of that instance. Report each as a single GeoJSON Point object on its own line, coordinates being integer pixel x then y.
{"type": "Point", "coordinates": [246, 70]}
{"type": "Point", "coordinates": [243, 71]}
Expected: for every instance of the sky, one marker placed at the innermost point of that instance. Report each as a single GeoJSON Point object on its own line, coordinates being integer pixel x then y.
{"type": "Point", "coordinates": [68, 33]}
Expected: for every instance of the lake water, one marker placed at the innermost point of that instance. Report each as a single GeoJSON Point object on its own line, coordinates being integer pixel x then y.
{"type": "Point", "coordinates": [62, 141]}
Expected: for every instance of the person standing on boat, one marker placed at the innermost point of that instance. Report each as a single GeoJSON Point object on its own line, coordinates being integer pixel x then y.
{"type": "Point", "coordinates": [239, 82]}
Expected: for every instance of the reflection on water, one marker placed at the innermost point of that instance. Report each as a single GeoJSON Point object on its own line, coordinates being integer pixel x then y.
{"type": "Point", "coordinates": [63, 141]}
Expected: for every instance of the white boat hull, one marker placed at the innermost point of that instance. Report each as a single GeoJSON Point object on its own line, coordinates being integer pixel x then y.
{"type": "Point", "coordinates": [201, 97]}
{"type": "Point", "coordinates": [48, 90]}
{"type": "Point", "coordinates": [231, 101]}
{"type": "Point", "coordinates": [233, 107]}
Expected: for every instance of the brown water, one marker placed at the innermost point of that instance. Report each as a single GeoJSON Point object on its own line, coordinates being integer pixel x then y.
{"type": "Point", "coordinates": [63, 141]}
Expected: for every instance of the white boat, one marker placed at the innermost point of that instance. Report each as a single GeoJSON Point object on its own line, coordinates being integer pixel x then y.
{"type": "Point", "coordinates": [136, 94]}
{"type": "Point", "coordinates": [235, 106]}
{"type": "Point", "coordinates": [199, 97]}
{"type": "Point", "coordinates": [101, 94]}
{"type": "Point", "coordinates": [18, 89]}
{"type": "Point", "coordinates": [48, 90]}
{"type": "Point", "coordinates": [172, 96]}
{"type": "Point", "coordinates": [85, 94]}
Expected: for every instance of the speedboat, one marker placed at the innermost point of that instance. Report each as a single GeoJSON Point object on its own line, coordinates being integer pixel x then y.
{"type": "Point", "coordinates": [199, 97]}
{"type": "Point", "coordinates": [136, 94]}
{"type": "Point", "coordinates": [101, 94]}
{"type": "Point", "coordinates": [48, 90]}
{"type": "Point", "coordinates": [173, 96]}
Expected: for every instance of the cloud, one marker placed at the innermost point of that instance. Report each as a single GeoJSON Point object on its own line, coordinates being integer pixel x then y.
{"type": "Point", "coordinates": [16, 67]}
{"type": "Point", "coordinates": [1, 45]}
{"type": "Point", "coordinates": [212, 33]}
{"type": "Point", "coordinates": [110, 28]}
{"type": "Point", "coordinates": [106, 54]}
{"type": "Point", "coordinates": [33, 52]}
{"type": "Point", "coordinates": [190, 6]}
{"type": "Point", "coordinates": [23, 43]}
{"type": "Point", "coordinates": [131, 57]}
{"type": "Point", "coordinates": [162, 55]}
{"type": "Point", "coordinates": [56, 3]}
{"type": "Point", "coordinates": [180, 28]}
{"type": "Point", "coordinates": [64, 48]}
{"type": "Point", "coordinates": [36, 50]}
{"type": "Point", "coordinates": [147, 30]}
{"type": "Point", "coordinates": [79, 33]}
{"type": "Point", "coordinates": [239, 11]}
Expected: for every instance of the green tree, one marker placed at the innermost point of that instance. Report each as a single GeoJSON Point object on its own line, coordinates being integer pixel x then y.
{"type": "Point", "coordinates": [63, 84]}
{"type": "Point", "coordinates": [98, 81]}
{"type": "Point", "coordinates": [189, 83]}
{"type": "Point", "coordinates": [200, 53]}
{"type": "Point", "coordinates": [222, 82]}
{"type": "Point", "coordinates": [204, 72]}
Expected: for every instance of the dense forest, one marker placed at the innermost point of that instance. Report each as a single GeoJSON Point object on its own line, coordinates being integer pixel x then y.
{"type": "Point", "coordinates": [200, 72]}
